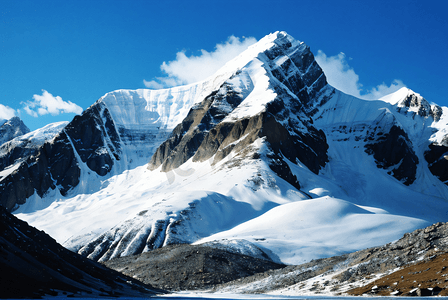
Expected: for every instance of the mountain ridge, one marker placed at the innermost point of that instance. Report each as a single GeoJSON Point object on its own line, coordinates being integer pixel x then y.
{"type": "Point", "coordinates": [263, 141]}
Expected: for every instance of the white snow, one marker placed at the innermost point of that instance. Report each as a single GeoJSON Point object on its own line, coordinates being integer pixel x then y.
{"type": "Point", "coordinates": [397, 96]}
{"type": "Point", "coordinates": [300, 231]}
{"type": "Point", "coordinates": [44, 133]}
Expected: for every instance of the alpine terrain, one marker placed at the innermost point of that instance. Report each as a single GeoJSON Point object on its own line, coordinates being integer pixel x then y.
{"type": "Point", "coordinates": [264, 159]}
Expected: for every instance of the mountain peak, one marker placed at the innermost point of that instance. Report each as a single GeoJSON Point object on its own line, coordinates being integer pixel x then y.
{"type": "Point", "coordinates": [12, 128]}
{"type": "Point", "coordinates": [274, 83]}
{"type": "Point", "coordinates": [411, 101]}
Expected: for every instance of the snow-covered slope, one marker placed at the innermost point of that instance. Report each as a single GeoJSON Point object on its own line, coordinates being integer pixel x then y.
{"type": "Point", "coordinates": [264, 154]}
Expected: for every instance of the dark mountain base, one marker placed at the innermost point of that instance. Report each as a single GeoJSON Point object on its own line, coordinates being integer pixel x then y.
{"type": "Point", "coordinates": [33, 265]}
{"type": "Point", "coordinates": [188, 267]}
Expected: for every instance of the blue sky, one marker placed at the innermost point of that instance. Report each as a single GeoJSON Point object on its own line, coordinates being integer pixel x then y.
{"type": "Point", "coordinates": [59, 57]}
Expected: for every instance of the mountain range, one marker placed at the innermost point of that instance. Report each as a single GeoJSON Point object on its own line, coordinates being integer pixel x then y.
{"type": "Point", "coordinates": [264, 158]}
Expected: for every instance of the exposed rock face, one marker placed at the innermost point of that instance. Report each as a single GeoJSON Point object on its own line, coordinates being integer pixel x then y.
{"type": "Point", "coordinates": [284, 124]}
{"type": "Point", "coordinates": [12, 128]}
{"type": "Point", "coordinates": [95, 139]}
{"type": "Point", "coordinates": [55, 165]}
{"type": "Point", "coordinates": [393, 151]}
{"type": "Point", "coordinates": [118, 132]}
{"type": "Point", "coordinates": [33, 265]}
{"type": "Point", "coordinates": [437, 158]}
{"type": "Point", "coordinates": [271, 107]}
{"type": "Point", "coordinates": [419, 105]}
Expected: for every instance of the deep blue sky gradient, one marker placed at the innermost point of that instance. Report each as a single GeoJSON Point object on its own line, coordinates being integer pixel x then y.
{"type": "Point", "coordinates": [80, 50]}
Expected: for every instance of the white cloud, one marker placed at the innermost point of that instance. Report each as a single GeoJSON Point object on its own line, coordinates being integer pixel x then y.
{"type": "Point", "coordinates": [49, 104]}
{"type": "Point", "coordinates": [341, 76]}
{"type": "Point", "coordinates": [189, 69]}
{"type": "Point", "coordinates": [6, 112]}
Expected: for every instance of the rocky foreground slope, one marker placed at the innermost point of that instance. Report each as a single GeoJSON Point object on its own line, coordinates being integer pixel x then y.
{"type": "Point", "coordinates": [33, 265]}
{"type": "Point", "coordinates": [338, 275]}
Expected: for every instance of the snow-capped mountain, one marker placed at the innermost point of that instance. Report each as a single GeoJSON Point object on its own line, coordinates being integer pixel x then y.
{"type": "Point", "coordinates": [262, 155]}
{"type": "Point", "coordinates": [12, 128]}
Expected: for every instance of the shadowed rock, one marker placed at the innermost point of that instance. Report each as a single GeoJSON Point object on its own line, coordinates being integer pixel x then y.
{"type": "Point", "coordinates": [33, 265]}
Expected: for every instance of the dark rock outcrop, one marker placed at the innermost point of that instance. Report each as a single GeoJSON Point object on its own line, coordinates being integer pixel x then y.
{"type": "Point", "coordinates": [94, 138]}
{"type": "Point", "coordinates": [20, 148]}
{"type": "Point", "coordinates": [437, 158]}
{"type": "Point", "coordinates": [393, 151]}
{"type": "Point", "coordinates": [54, 165]}
{"type": "Point", "coordinates": [15, 153]}
{"type": "Point", "coordinates": [421, 105]}
{"type": "Point", "coordinates": [284, 125]}
{"type": "Point", "coordinates": [33, 265]}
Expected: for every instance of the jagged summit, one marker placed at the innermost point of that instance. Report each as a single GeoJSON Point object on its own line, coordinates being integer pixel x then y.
{"type": "Point", "coordinates": [269, 97]}
{"type": "Point", "coordinates": [411, 101]}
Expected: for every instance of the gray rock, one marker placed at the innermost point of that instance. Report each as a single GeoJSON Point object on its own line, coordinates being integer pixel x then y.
{"type": "Point", "coordinates": [188, 267]}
